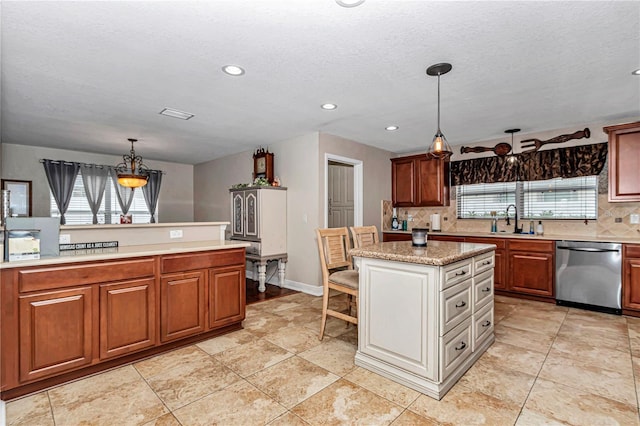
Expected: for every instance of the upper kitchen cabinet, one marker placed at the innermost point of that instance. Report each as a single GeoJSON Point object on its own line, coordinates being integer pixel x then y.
{"type": "Point", "coordinates": [624, 162]}
{"type": "Point", "coordinates": [418, 181]}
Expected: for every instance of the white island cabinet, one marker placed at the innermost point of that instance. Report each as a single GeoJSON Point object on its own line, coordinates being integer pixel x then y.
{"type": "Point", "coordinates": [425, 315]}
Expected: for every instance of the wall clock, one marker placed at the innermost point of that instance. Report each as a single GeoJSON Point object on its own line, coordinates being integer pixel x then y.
{"type": "Point", "coordinates": [263, 164]}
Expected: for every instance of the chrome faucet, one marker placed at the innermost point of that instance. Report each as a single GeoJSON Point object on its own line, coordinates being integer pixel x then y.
{"type": "Point", "coordinates": [516, 230]}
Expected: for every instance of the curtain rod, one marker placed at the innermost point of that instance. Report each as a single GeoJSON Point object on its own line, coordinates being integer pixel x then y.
{"type": "Point", "coordinates": [42, 160]}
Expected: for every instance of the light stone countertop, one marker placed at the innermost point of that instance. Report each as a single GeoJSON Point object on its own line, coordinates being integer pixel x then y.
{"type": "Point", "coordinates": [90, 255]}
{"type": "Point", "coordinates": [436, 253]}
{"type": "Point", "coordinates": [555, 237]}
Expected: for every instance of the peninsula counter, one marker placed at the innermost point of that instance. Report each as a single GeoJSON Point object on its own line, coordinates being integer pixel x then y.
{"type": "Point", "coordinates": [425, 314]}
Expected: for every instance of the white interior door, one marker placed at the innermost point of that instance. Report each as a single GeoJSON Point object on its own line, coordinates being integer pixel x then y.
{"type": "Point", "coordinates": [340, 195]}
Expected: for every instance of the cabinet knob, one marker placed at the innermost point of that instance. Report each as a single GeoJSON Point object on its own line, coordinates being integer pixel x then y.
{"type": "Point", "coordinates": [486, 290]}
{"type": "Point", "coordinates": [487, 323]}
{"type": "Point", "coordinates": [460, 273]}
{"type": "Point", "coordinates": [488, 262]}
{"type": "Point", "coordinates": [462, 304]}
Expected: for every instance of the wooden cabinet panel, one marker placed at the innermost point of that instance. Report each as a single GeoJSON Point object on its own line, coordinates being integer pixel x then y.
{"type": "Point", "coordinates": [127, 317]}
{"type": "Point", "coordinates": [226, 296]}
{"type": "Point", "coordinates": [531, 273]}
{"type": "Point", "coordinates": [499, 271]}
{"type": "Point", "coordinates": [418, 180]}
{"type": "Point", "coordinates": [624, 162]}
{"type": "Point", "coordinates": [182, 305]}
{"type": "Point", "coordinates": [403, 182]}
{"type": "Point", "coordinates": [36, 279]}
{"type": "Point", "coordinates": [55, 332]}
{"type": "Point", "coordinates": [455, 239]}
{"type": "Point", "coordinates": [631, 284]}
{"type": "Point", "coordinates": [543, 246]}
{"type": "Point", "coordinates": [391, 236]}
{"type": "Point", "coordinates": [432, 186]}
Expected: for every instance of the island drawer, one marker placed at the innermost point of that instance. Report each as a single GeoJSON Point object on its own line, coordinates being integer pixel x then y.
{"type": "Point", "coordinates": [482, 325]}
{"type": "Point", "coordinates": [483, 262]}
{"type": "Point", "coordinates": [456, 306]}
{"type": "Point", "coordinates": [543, 246]}
{"type": "Point", "coordinates": [455, 347]}
{"type": "Point", "coordinates": [193, 261]}
{"type": "Point", "coordinates": [90, 273]}
{"type": "Point", "coordinates": [455, 273]}
{"type": "Point", "coordinates": [482, 290]}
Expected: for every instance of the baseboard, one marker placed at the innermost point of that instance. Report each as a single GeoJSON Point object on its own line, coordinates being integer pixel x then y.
{"type": "Point", "coordinates": [313, 290]}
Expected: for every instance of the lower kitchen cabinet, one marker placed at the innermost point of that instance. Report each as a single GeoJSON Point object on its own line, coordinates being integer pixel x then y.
{"type": "Point", "coordinates": [531, 264]}
{"type": "Point", "coordinates": [395, 236]}
{"type": "Point", "coordinates": [182, 305]}
{"type": "Point", "coordinates": [631, 279]}
{"type": "Point", "coordinates": [127, 317]}
{"type": "Point", "coordinates": [227, 295]}
{"type": "Point", "coordinates": [56, 332]}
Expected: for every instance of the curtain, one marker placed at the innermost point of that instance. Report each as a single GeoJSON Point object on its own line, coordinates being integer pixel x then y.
{"type": "Point", "coordinates": [575, 161]}
{"type": "Point", "coordinates": [94, 179]}
{"type": "Point", "coordinates": [61, 177]}
{"type": "Point", "coordinates": [123, 194]}
{"type": "Point", "coordinates": [151, 192]}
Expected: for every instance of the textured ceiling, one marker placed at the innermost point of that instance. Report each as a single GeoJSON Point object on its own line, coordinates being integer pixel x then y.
{"type": "Point", "coordinates": [89, 75]}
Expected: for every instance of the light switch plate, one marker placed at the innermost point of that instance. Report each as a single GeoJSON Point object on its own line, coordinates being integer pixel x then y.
{"type": "Point", "coordinates": [634, 219]}
{"type": "Point", "coordinates": [175, 233]}
{"type": "Point", "coordinates": [64, 239]}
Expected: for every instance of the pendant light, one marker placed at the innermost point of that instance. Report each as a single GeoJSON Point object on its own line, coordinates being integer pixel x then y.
{"type": "Point", "coordinates": [512, 157]}
{"type": "Point", "coordinates": [132, 173]}
{"type": "Point", "coordinates": [439, 147]}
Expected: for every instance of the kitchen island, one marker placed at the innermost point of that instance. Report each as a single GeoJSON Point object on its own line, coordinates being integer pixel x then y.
{"type": "Point", "coordinates": [425, 314]}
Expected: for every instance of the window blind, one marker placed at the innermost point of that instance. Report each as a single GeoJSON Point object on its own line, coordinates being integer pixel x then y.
{"type": "Point", "coordinates": [479, 200]}
{"type": "Point", "coordinates": [573, 198]}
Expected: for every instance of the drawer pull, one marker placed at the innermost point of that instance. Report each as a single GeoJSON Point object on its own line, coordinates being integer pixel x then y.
{"type": "Point", "coordinates": [487, 323]}
{"type": "Point", "coordinates": [486, 290]}
{"type": "Point", "coordinates": [462, 304]}
{"type": "Point", "coordinates": [460, 273]}
{"type": "Point", "coordinates": [488, 262]}
{"type": "Point", "coordinates": [461, 347]}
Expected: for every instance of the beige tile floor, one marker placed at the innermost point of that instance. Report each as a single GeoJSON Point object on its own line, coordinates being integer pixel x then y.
{"type": "Point", "coordinates": [549, 365]}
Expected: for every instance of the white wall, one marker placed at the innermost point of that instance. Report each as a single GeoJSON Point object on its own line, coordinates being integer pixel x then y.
{"type": "Point", "coordinates": [376, 173]}
{"type": "Point", "coordinates": [296, 164]}
{"type": "Point", "coordinates": [22, 162]}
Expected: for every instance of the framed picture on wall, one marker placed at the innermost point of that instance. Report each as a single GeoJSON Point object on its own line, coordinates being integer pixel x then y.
{"type": "Point", "coordinates": [20, 197]}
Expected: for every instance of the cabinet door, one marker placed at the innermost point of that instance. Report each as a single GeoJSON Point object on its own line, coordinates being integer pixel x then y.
{"type": "Point", "coordinates": [251, 213]}
{"type": "Point", "coordinates": [403, 184]}
{"type": "Point", "coordinates": [227, 298]}
{"type": "Point", "coordinates": [631, 283]}
{"type": "Point", "coordinates": [182, 305]}
{"type": "Point", "coordinates": [55, 332]}
{"type": "Point", "coordinates": [624, 162]}
{"type": "Point", "coordinates": [432, 183]}
{"type": "Point", "coordinates": [127, 317]}
{"type": "Point", "coordinates": [499, 279]}
{"type": "Point", "coordinates": [237, 214]}
{"type": "Point", "coordinates": [389, 236]}
{"type": "Point", "coordinates": [531, 273]}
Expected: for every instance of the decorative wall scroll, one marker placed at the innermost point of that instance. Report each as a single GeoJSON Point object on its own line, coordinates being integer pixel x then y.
{"type": "Point", "coordinates": [537, 143]}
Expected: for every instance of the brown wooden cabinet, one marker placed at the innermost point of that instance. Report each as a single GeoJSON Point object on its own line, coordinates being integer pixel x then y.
{"type": "Point", "coordinates": [127, 317]}
{"type": "Point", "coordinates": [227, 295]}
{"type": "Point", "coordinates": [182, 305]}
{"type": "Point", "coordinates": [418, 180]}
{"type": "Point", "coordinates": [531, 264]}
{"type": "Point", "coordinates": [56, 332]}
{"type": "Point", "coordinates": [624, 162]}
{"type": "Point", "coordinates": [395, 236]}
{"type": "Point", "coordinates": [631, 279]}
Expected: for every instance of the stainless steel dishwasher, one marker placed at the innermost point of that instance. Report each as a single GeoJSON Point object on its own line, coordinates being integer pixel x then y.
{"type": "Point", "coordinates": [589, 275]}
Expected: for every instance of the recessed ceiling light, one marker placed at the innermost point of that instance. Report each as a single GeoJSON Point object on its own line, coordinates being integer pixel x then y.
{"type": "Point", "coordinates": [233, 70]}
{"type": "Point", "coordinates": [349, 3]}
{"type": "Point", "coordinates": [328, 106]}
{"type": "Point", "coordinates": [391, 128]}
{"type": "Point", "coordinates": [170, 112]}
{"type": "Point", "coordinates": [636, 72]}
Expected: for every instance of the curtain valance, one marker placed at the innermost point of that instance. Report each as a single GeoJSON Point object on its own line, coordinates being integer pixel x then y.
{"type": "Point", "coordinates": [575, 161]}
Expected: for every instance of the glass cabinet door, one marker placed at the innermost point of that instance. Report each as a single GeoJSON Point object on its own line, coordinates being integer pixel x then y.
{"type": "Point", "coordinates": [251, 205]}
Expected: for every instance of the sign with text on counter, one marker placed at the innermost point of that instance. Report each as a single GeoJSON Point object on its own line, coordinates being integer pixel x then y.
{"type": "Point", "coordinates": [84, 246]}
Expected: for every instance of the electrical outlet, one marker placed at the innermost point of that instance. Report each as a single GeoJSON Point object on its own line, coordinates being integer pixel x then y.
{"type": "Point", "coordinates": [65, 239]}
{"type": "Point", "coordinates": [175, 233]}
{"type": "Point", "coordinates": [618, 220]}
{"type": "Point", "coordinates": [409, 218]}
{"type": "Point", "coordinates": [634, 219]}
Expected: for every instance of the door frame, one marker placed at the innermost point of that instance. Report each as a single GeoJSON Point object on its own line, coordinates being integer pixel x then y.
{"type": "Point", "coordinates": [357, 186]}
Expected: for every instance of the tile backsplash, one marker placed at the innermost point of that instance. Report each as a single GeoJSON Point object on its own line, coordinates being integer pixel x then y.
{"type": "Point", "coordinates": [605, 224]}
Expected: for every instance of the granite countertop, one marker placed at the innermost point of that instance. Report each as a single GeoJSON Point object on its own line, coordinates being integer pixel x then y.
{"type": "Point", "coordinates": [555, 237]}
{"type": "Point", "coordinates": [436, 253]}
{"type": "Point", "coordinates": [126, 252]}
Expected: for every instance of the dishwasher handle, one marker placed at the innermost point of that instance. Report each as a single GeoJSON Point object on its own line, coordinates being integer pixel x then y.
{"type": "Point", "coordinates": [588, 249]}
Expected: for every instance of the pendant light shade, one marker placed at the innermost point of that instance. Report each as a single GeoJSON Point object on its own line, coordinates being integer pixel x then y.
{"type": "Point", "coordinates": [439, 147]}
{"type": "Point", "coordinates": [132, 173]}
